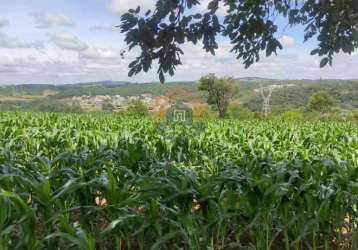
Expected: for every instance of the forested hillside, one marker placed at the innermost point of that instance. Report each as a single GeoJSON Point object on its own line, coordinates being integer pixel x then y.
{"type": "Point", "coordinates": [293, 95]}
{"type": "Point", "coordinates": [298, 93]}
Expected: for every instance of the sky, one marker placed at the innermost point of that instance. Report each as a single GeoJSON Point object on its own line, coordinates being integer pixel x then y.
{"type": "Point", "coordinates": [72, 41]}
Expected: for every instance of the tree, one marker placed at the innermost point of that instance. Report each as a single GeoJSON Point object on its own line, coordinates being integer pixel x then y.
{"type": "Point", "coordinates": [249, 25]}
{"type": "Point", "coordinates": [108, 107]}
{"type": "Point", "coordinates": [241, 112]}
{"type": "Point", "coordinates": [220, 91]}
{"type": "Point", "coordinates": [320, 101]}
{"type": "Point", "coordinates": [137, 108]}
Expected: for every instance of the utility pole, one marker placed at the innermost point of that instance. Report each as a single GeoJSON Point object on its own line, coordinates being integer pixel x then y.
{"type": "Point", "coordinates": [13, 92]}
{"type": "Point", "coordinates": [266, 93]}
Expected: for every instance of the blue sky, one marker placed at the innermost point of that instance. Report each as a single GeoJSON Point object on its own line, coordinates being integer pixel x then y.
{"type": "Point", "coordinates": [68, 41]}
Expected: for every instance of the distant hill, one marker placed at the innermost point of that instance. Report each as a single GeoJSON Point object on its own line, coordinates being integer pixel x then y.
{"type": "Point", "coordinates": [27, 96]}
{"type": "Point", "coordinates": [297, 95]}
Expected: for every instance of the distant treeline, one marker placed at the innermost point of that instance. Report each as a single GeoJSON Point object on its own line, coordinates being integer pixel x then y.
{"type": "Point", "coordinates": [294, 97]}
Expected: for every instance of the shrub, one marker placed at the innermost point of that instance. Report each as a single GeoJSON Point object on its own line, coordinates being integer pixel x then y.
{"type": "Point", "coordinates": [108, 107]}
{"type": "Point", "coordinates": [241, 113]}
{"type": "Point", "coordinates": [160, 115]}
{"type": "Point", "coordinates": [138, 108]}
{"type": "Point", "coordinates": [201, 112]}
{"type": "Point", "coordinates": [321, 101]}
{"type": "Point", "coordinates": [292, 116]}
{"type": "Point", "coordinates": [55, 106]}
{"type": "Point", "coordinates": [353, 116]}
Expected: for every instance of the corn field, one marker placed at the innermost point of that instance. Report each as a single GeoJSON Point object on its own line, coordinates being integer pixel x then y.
{"type": "Point", "coordinates": [105, 182]}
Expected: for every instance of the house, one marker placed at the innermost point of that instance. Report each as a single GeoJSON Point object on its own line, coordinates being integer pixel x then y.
{"type": "Point", "coordinates": [159, 103]}
{"type": "Point", "coordinates": [146, 95]}
{"type": "Point", "coordinates": [121, 103]}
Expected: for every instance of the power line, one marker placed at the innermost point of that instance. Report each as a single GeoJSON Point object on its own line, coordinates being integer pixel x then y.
{"type": "Point", "coordinates": [266, 93]}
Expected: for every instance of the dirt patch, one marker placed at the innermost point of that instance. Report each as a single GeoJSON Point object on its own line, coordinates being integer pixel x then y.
{"type": "Point", "coordinates": [15, 98]}
{"type": "Point", "coordinates": [49, 93]}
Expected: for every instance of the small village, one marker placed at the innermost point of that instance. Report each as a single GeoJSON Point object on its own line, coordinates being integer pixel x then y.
{"type": "Point", "coordinates": [121, 103]}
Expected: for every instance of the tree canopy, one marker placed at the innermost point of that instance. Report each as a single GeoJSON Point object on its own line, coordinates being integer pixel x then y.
{"type": "Point", "coordinates": [138, 108]}
{"type": "Point", "coordinates": [321, 101]}
{"type": "Point", "coordinates": [250, 25]}
{"type": "Point", "coordinates": [220, 91]}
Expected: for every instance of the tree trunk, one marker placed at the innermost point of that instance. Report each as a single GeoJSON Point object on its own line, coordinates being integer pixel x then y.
{"type": "Point", "coordinates": [222, 112]}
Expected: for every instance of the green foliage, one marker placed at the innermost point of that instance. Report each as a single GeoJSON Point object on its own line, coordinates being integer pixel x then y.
{"type": "Point", "coordinates": [110, 182]}
{"type": "Point", "coordinates": [51, 106]}
{"type": "Point", "coordinates": [293, 116]}
{"type": "Point", "coordinates": [108, 107]}
{"type": "Point", "coordinates": [250, 26]}
{"type": "Point", "coordinates": [321, 101]}
{"type": "Point", "coordinates": [219, 92]}
{"type": "Point", "coordinates": [353, 115]}
{"type": "Point", "coordinates": [27, 89]}
{"type": "Point", "coordinates": [241, 113]}
{"type": "Point", "coordinates": [138, 108]}
{"type": "Point", "coordinates": [345, 93]}
{"type": "Point", "coordinates": [297, 95]}
{"type": "Point", "coordinates": [127, 89]}
{"type": "Point", "coordinates": [42, 105]}
{"type": "Point", "coordinates": [313, 116]}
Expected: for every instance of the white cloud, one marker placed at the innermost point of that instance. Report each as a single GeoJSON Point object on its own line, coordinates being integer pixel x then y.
{"type": "Point", "coordinates": [4, 22]}
{"type": "Point", "coordinates": [49, 20]}
{"type": "Point", "coordinates": [55, 69]}
{"type": "Point", "coordinates": [95, 64]}
{"type": "Point", "coordinates": [105, 28]}
{"type": "Point", "coordinates": [197, 63]}
{"type": "Point", "coordinates": [15, 43]}
{"type": "Point", "coordinates": [121, 6]}
{"type": "Point", "coordinates": [68, 41]}
{"type": "Point", "coordinates": [70, 58]}
{"type": "Point", "coordinates": [98, 54]}
{"type": "Point", "coordinates": [287, 40]}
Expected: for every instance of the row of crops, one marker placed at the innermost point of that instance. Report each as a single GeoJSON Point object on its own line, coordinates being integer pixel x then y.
{"type": "Point", "coordinates": [105, 182]}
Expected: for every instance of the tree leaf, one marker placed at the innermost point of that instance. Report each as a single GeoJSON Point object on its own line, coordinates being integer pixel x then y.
{"type": "Point", "coordinates": [161, 77]}
{"type": "Point", "coordinates": [324, 62]}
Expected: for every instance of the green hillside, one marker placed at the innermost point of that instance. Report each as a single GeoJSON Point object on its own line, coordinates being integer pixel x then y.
{"type": "Point", "coordinates": [296, 95]}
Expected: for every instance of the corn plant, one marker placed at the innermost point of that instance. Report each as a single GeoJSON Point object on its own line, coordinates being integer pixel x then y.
{"type": "Point", "coordinates": [108, 182]}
